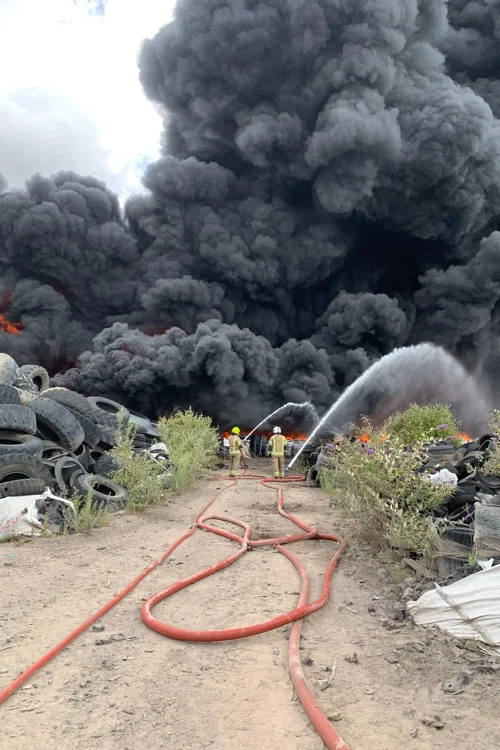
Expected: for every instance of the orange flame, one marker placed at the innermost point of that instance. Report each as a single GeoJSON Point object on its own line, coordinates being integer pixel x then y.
{"type": "Point", "coordinates": [8, 327]}
{"type": "Point", "coordinates": [464, 436]}
{"type": "Point", "coordinates": [365, 438]}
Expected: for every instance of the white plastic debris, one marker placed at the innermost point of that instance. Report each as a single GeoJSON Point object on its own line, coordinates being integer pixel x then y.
{"type": "Point", "coordinates": [444, 476]}
{"type": "Point", "coordinates": [469, 608]}
{"type": "Point", "coordinates": [158, 448]}
{"type": "Point", "coordinates": [19, 516]}
{"type": "Point", "coordinates": [226, 442]}
{"type": "Point", "coordinates": [486, 564]}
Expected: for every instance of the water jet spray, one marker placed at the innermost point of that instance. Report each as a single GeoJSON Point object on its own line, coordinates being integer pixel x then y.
{"type": "Point", "coordinates": [291, 406]}
{"type": "Point", "coordinates": [424, 374]}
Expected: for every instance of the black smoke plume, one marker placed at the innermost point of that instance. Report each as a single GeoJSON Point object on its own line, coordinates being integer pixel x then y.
{"type": "Point", "coordinates": [329, 190]}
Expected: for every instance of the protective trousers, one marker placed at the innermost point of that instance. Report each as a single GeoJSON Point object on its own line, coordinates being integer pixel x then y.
{"type": "Point", "coordinates": [234, 464]}
{"type": "Point", "coordinates": [279, 467]}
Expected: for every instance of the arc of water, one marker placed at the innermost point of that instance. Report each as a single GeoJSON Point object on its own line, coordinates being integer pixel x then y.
{"type": "Point", "coordinates": [306, 406]}
{"type": "Point", "coordinates": [313, 433]}
{"type": "Point", "coordinates": [425, 373]}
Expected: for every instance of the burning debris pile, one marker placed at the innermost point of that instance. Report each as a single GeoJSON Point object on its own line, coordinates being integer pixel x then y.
{"type": "Point", "coordinates": [53, 440]}
{"type": "Point", "coordinates": [328, 191]}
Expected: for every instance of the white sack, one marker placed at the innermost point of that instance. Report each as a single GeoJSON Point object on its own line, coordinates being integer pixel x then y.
{"type": "Point", "coordinates": [469, 608]}
{"type": "Point", "coordinates": [19, 516]}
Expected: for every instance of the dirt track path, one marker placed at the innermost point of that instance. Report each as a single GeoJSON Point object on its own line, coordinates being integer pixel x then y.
{"type": "Point", "coordinates": [150, 692]}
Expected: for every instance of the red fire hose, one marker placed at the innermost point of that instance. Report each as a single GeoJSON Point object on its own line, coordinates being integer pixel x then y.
{"type": "Point", "coordinates": [328, 734]}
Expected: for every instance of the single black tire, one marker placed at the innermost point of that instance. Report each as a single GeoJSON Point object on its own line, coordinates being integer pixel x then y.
{"type": "Point", "coordinates": [17, 419]}
{"type": "Point", "coordinates": [106, 465]}
{"type": "Point", "coordinates": [119, 414]}
{"type": "Point", "coordinates": [78, 403]}
{"type": "Point", "coordinates": [9, 394]}
{"type": "Point", "coordinates": [83, 455]}
{"type": "Point", "coordinates": [19, 487]}
{"type": "Point", "coordinates": [103, 491]}
{"type": "Point", "coordinates": [36, 377]}
{"type": "Point", "coordinates": [52, 452]}
{"type": "Point", "coordinates": [95, 454]}
{"type": "Point", "coordinates": [110, 436]}
{"type": "Point", "coordinates": [489, 482]}
{"type": "Point", "coordinates": [74, 476]}
{"type": "Point", "coordinates": [15, 443]}
{"type": "Point", "coordinates": [143, 425]}
{"type": "Point", "coordinates": [92, 432]}
{"type": "Point", "coordinates": [313, 477]}
{"type": "Point", "coordinates": [64, 468]}
{"type": "Point", "coordinates": [23, 467]}
{"type": "Point", "coordinates": [144, 442]}
{"type": "Point", "coordinates": [56, 423]}
{"type": "Point", "coordinates": [8, 369]}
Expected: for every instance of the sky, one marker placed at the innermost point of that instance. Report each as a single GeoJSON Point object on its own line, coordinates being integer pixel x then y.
{"type": "Point", "coordinates": [70, 96]}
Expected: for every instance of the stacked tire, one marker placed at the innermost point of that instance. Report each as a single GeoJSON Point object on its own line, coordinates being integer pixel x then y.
{"type": "Point", "coordinates": [53, 438]}
{"type": "Point", "coordinates": [22, 471]}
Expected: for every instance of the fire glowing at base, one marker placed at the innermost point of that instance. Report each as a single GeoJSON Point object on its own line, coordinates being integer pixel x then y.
{"type": "Point", "coordinates": [8, 327]}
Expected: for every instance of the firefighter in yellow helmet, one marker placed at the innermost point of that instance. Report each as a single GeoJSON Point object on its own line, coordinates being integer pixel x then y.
{"type": "Point", "coordinates": [277, 445]}
{"type": "Point", "coordinates": [235, 446]}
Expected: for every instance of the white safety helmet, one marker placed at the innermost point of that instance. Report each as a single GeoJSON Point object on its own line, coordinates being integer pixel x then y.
{"type": "Point", "coordinates": [276, 430]}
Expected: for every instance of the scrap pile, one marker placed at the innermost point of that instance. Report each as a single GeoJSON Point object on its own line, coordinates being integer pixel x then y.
{"type": "Point", "coordinates": [469, 521]}
{"type": "Point", "coordinates": [55, 441]}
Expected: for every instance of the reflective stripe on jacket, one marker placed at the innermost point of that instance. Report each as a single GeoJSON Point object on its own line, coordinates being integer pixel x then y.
{"type": "Point", "coordinates": [234, 445]}
{"type": "Point", "coordinates": [277, 445]}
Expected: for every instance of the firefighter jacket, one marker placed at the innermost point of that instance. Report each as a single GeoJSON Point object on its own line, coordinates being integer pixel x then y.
{"type": "Point", "coordinates": [235, 445]}
{"type": "Point", "coordinates": [277, 445]}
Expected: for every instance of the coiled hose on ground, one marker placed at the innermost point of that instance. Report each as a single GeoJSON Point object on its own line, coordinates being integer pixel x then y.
{"type": "Point", "coordinates": [327, 732]}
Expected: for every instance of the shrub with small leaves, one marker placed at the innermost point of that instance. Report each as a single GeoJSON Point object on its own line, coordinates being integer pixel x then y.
{"type": "Point", "coordinates": [193, 444]}
{"type": "Point", "coordinates": [492, 464]}
{"type": "Point", "coordinates": [378, 484]}
{"type": "Point", "coordinates": [433, 422]}
{"type": "Point", "coordinates": [142, 476]}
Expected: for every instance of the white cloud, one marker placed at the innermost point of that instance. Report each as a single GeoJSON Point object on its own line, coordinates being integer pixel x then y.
{"type": "Point", "coordinates": [70, 96]}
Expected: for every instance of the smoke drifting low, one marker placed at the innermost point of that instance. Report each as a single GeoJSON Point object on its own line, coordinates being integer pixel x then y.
{"type": "Point", "coordinates": [329, 191]}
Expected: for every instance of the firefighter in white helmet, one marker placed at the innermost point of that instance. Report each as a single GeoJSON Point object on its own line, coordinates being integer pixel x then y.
{"type": "Point", "coordinates": [276, 447]}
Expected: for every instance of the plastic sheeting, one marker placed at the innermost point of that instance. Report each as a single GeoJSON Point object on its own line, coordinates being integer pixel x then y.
{"type": "Point", "coordinates": [442, 477]}
{"type": "Point", "coordinates": [19, 516]}
{"type": "Point", "coordinates": [469, 608]}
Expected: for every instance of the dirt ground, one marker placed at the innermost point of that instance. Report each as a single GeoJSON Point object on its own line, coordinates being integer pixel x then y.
{"type": "Point", "coordinates": [144, 690]}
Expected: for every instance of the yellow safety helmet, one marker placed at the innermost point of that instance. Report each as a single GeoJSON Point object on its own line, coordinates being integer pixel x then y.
{"type": "Point", "coordinates": [236, 430]}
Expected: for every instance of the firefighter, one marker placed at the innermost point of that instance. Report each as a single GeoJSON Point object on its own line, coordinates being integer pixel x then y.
{"type": "Point", "coordinates": [277, 445]}
{"type": "Point", "coordinates": [235, 446]}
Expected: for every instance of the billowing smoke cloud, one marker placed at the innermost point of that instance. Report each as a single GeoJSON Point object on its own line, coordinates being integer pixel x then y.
{"type": "Point", "coordinates": [329, 191]}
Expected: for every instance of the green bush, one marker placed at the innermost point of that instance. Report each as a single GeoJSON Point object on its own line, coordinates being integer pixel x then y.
{"type": "Point", "coordinates": [433, 422]}
{"type": "Point", "coordinates": [193, 444]}
{"type": "Point", "coordinates": [492, 464]}
{"type": "Point", "coordinates": [88, 515]}
{"type": "Point", "coordinates": [144, 479]}
{"type": "Point", "coordinates": [377, 484]}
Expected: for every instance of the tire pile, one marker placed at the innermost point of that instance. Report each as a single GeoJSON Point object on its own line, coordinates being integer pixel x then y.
{"type": "Point", "coordinates": [472, 484]}
{"type": "Point", "coordinates": [57, 439]}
